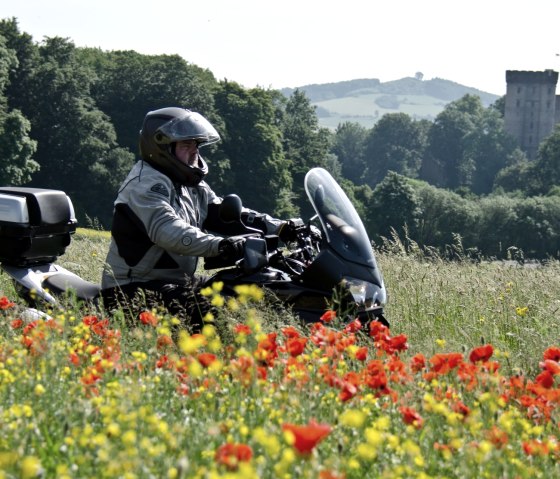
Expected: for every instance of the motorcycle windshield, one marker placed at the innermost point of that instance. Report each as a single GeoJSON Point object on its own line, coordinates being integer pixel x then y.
{"type": "Point", "coordinates": [341, 223]}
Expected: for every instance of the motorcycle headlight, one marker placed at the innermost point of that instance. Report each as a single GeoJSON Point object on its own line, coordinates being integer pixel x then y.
{"type": "Point", "coordinates": [365, 293]}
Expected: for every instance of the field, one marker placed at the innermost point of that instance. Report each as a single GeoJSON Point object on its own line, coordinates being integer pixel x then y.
{"type": "Point", "coordinates": [463, 385]}
{"type": "Point", "coordinates": [367, 109]}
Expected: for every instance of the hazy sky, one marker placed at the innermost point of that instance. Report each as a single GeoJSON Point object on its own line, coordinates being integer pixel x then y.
{"type": "Point", "coordinates": [292, 43]}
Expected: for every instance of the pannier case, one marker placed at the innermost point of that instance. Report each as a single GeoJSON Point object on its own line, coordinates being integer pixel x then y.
{"type": "Point", "coordinates": [35, 225]}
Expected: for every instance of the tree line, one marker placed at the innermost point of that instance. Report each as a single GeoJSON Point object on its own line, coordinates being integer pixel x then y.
{"type": "Point", "coordinates": [70, 117]}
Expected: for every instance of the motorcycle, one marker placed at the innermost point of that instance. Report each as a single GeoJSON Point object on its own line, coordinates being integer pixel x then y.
{"type": "Point", "coordinates": [330, 262]}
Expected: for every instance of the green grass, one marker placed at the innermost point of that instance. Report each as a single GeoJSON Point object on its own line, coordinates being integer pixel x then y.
{"type": "Point", "coordinates": [464, 304]}
{"type": "Point", "coordinates": [458, 303]}
{"type": "Point", "coordinates": [84, 397]}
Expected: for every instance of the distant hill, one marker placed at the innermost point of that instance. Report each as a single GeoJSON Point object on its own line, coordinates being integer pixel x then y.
{"type": "Point", "coordinates": [364, 101]}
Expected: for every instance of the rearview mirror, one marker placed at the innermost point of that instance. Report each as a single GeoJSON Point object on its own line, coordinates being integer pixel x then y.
{"type": "Point", "coordinates": [230, 209]}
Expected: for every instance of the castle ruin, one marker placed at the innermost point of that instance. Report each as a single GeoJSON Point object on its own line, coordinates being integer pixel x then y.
{"type": "Point", "coordinates": [532, 108]}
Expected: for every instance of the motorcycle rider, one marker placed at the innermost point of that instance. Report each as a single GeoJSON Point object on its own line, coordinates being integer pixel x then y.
{"type": "Point", "coordinates": [157, 233]}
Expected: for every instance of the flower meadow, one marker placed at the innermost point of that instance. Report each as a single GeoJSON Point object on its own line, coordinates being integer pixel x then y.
{"type": "Point", "coordinates": [83, 395]}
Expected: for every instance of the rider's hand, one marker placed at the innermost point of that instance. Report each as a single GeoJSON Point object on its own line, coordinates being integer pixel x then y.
{"type": "Point", "coordinates": [231, 249]}
{"type": "Point", "coordinates": [288, 230]}
{"type": "Point", "coordinates": [316, 233]}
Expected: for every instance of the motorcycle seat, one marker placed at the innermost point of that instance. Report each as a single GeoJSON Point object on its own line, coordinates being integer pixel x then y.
{"type": "Point", "coordinates": [61, 282]}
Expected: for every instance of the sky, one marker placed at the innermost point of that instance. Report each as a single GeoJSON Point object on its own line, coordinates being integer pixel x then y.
{"type": "Point", "coordinates": [293, 43]}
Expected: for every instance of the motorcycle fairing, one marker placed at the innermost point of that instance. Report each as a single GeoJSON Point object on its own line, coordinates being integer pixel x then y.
{"type": "Point", "coordinates": [348, 255]}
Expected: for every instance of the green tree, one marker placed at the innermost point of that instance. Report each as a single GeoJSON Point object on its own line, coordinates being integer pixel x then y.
{"type": "Point", "coordinates": [498, 214]}
{"type": "Point", "coordinates": [537, 229]}
{"type": "Point", "coordinates": [305, 144]}
{"type": "Point", "coordinates": [253, 146]}
{"type": "Point", "coordinates": [445, 163]}
{"type": "Point", "coordinates": [500, 106]}
{"type": "Point", "coordinates": [18, 88]}
{"type": "Point", "coordinates": [349, 148]}
{"type": "Point", "coordinates": [468, 147]}
{"type": "Point", "coordinates": [445, 214]}
{"type": "Point", "coordinates": [490, 149]}
{"type": "Point", "coordinates": [518, 177]}
{"type": "Point", "coordinates": [16, 147]}
{"type": "Point", "coordinates": [128, 85]}
{"type": "Point", "coordinates": [547, 164]}
{"type": "Point", "coordinates": [76, 143]}
{"type": "Point", "coordinates": [8, 62]}
{"type": "Point", "coordinates": [393, 206]}
{"type": "Point", "coordinates": [533, 178]}
{"type": "Point", "coordinates": [396, 143]}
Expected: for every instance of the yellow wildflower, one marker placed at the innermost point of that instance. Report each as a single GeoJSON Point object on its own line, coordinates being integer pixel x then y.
{"type": "Point", "coordinates": [352, 418]}
{"type": "Point", "coordinates": [30, 467]}
{"type": "Point", "coordinates": [39, 390]}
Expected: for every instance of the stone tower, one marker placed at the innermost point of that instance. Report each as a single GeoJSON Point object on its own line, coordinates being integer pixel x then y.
{"type": "Point", "coordinates": [531, 107]}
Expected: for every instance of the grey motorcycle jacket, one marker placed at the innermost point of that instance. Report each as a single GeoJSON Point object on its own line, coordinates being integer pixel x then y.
{"type": "Point", "coordinates": [157, 229]}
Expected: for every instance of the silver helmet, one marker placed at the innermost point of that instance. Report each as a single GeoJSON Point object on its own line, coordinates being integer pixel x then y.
{"type": "Point", "coordinates": [162, 129]}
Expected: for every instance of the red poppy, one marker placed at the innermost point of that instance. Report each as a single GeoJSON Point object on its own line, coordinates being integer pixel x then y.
{"type": "Point", "coordinates": [361, 353]}
{"type": "Point", "coordinates": [146, 317]}
{"type": "Point", "coordinates": [74, 358]}
{"type": "Point", "coordinates": [328, 316]}
{"type": "Point", "coordinates": [331, 475]}
{"type": "Point", "coordinates": [30, 327]}
{"type": "Point", "coordinates": [16, 323]}
{"type": "Point", "coordinates": [469, 373]}
{"type": "Point", "coordinates": [482, 353]}
{"type": "Point", "coordinates": [164, 342]}
{"type": "Point", "coordinates": [163, 362]}
{"type": "Point", "coordinates": [242, 329]}
{"type": "Point", "coordinates": [206, 359]}
{"type": "Point", "coordinates": [552, 353]}
{"type": "Point", "coordinates": [89, 320]}
{"type": "Point", "coordinates": [397, 370]}
{"type": "Point", "coordinates": [231, 454]}
{"type": "Point", "coordinates": [183, 389]}
{"type": "Point", "coordinates": [378, 330]}
{"type": "Point", "coordinates": [100, 327]}
{"type": "Point", "coordinates": [262, 372]}
{"type": "Point", "coordinates": [535, 447]}
{"type": "Point", "coordinates": [295, 346]}
{"type": "Point", "coordinates": [306, 437]}
{"type": "Point", "coordinates": [498, 437]}
{"type": "Point", "coordinates": [545, 379]}
{"type": "Point", "coordinates": [353, 326]}
{"type": "Point", "coordinates": [418, 362]}
{"type": "Point", "coordinates": [411, 416]}
{"type": "Point", "coordinates": [267, 349]}
{"type": "Point", "coordinates": [349, 386]}
{"type": "Point", "coordinates": [397, 343]}
{"type": "Point", "coordinates": [5, 303]}
{"type": "Point", "coordinates": [461, 408]}
{"type": "Point", "coordinates": [375, 376]}
{"type": "Point", "coordinates": [290, 332]}
{"type": "Point", "coordinates": [444, 362]}
{"type": "Point", "coordinates": [90, 377]}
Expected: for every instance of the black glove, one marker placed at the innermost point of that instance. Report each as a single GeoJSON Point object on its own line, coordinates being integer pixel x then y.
{"type": "Point", "coordinates": [288, 230]}
{"type": "Point", "coordinates": [231, 249]}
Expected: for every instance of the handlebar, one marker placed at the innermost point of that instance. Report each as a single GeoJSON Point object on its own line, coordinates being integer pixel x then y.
{"type": "Point", "coordinates": [261, 251]}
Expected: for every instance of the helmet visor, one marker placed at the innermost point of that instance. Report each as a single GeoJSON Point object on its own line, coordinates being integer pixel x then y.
{"type": "Point", "coordinates": [190, 126]}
